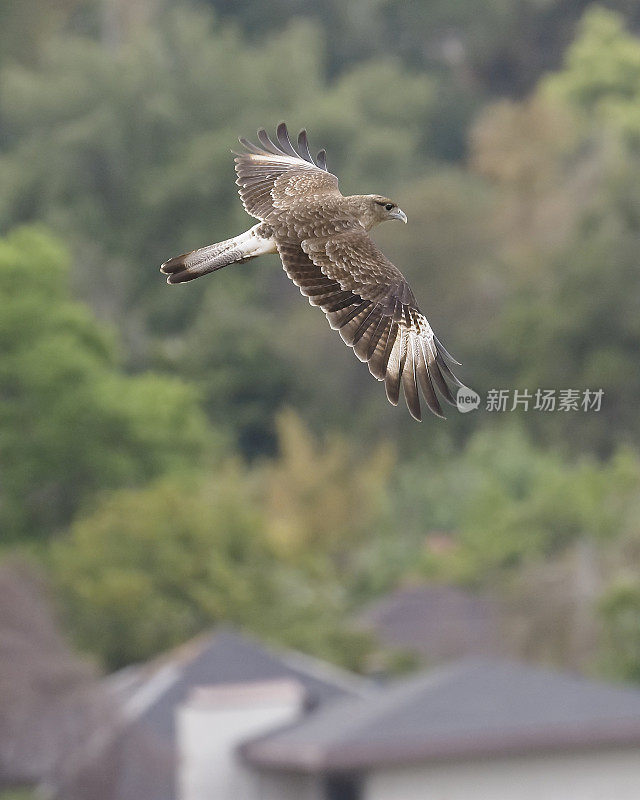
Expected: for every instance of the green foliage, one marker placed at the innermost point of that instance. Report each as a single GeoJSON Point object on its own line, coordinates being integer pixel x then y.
{"type": "Point", "coordinates": [567, 173]}
{"type": "Point", "coordinates": [129, 155]}
{"type": "Point", "coordinates": [145, 569]}
{"type": "Point", "coordinates": [26, 26]}
{"type": "Point", "coordinates": [236, 353]}
{"type": "Point", "coordinates": [18, 794]}
{"type": "Point", "coordinates": [594, 344]}
{"type": "Point", "coordinates": [70, 421]}
{"type": "Point", "coordinates": [504, 46]}
{"type": "Point", "coordinates": [325, 504]}
{"type": "Point", "coordinates": [601, 76]}
{"type": "Point", "coordinates": [504, 502]}
{"type": "Point", "coordinates": [133, 152]}
{"type": "Point", "coordinates": [148, 568]}
{"type": "Point", "coordinates": [620, 609]}
{"type": "Point", "coordinates": [116, 135]}
{"type": "Point", "coordinates": [129, 159]}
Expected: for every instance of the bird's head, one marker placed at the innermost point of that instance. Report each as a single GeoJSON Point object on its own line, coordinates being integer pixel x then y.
{"type": "Point", "coordinates": [381, 209]}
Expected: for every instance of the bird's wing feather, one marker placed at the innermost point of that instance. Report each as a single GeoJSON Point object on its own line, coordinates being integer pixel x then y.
{"type": "Point", "coordinates": [367, 299]}
{"type": "Point", "coordinates": [274, 174]}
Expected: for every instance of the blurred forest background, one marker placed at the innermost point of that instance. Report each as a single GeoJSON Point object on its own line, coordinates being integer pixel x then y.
{"type": "Point", "coordinates": [175, 457]}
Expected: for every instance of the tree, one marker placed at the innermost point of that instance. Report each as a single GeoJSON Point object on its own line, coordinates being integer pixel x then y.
{"type": "Point", "coordinates": [601, 74]}
{"type": "Point", "coordinates": [552, 538]}
{"type": "Point", "coordinates": [620, 611]}
{"type": "Point", "coordinates": [25, 27]}
{"type": "Point", "coordinates": [146, 569]}
{"type": "Point", "coordinates": [326, 506]}
{"type": "Point", "coordinates": [71, 422]}
{"type": "Point", "coordinates": [128, 159]}
{"type": "Point", "coordinates": [501, 47]}
{"type": "Point", "coordinates": [565, 165]}
{"type": "Point", "coordinates": [505, 502]}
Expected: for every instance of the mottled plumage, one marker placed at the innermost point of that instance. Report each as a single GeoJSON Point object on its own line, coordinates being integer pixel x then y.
{"type": "Point", "coordinates": [323, 242]}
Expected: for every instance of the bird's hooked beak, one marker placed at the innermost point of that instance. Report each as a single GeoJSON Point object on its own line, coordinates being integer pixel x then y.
{"type": "Point", "coordinates": [399, 214]}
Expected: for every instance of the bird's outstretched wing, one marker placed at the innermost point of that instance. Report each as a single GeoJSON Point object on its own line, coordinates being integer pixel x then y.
{"type": "Point", "coordinates": [367, 299]}
{"type": "Point", "coordinates": [362, 293]}
{"type": "Point", "coordinates": [271, 175]}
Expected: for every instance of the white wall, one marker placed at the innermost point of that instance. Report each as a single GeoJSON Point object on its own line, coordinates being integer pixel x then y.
{"type": "Point", "coordinates": [213, 722]}
{"type": "Point", "coordinates": [598, 775]}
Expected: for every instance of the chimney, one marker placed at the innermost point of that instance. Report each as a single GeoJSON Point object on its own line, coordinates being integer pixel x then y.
{"type": "Point", "coordinates": [214, 721]}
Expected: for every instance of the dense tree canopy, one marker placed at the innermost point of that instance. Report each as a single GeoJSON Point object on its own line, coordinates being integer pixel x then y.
{"type": "Point", "coordinates": [190, 552]}
{"type": "Point", "coordinates": [176, 457]}
{"type": "Point", "coordinates": [71, 422]}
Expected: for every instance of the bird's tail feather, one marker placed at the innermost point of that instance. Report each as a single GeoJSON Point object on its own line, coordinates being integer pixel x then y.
{"type": "Point", "coordinates": [241, 248]}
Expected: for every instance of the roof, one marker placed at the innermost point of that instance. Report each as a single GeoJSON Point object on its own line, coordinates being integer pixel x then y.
{"type": "Point", "coordinates": [472, 709]}
{"type": "Point", "coordinates": [440, 623]}
{"type": "Point", "coordinates": [151, 693]}
{"type": "Point", "coordinates": [50, 699]}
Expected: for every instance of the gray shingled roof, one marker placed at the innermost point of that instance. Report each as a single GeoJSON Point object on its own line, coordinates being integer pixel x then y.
{"type": "Point", "coordinates": [440, 623]}
{"type": "Point", "coordinates": [478, 708]}
{"type": "Point", "coordinates": [151, 692]}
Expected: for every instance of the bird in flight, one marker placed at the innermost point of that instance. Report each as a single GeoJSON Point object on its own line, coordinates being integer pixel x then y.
{"type": "Point", "coordinates": [322, 238]}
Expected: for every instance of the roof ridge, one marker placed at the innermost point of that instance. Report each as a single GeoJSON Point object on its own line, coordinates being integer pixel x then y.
{"type": "Point", "coordinates": [326, 671]}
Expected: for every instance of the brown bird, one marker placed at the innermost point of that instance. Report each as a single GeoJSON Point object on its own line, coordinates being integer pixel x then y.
{"type": "Point", "coordinates": [322, 239]}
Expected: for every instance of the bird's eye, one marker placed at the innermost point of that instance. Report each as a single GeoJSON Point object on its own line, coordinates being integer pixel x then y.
{"type": "Point", "coordinates": [389, 206]}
